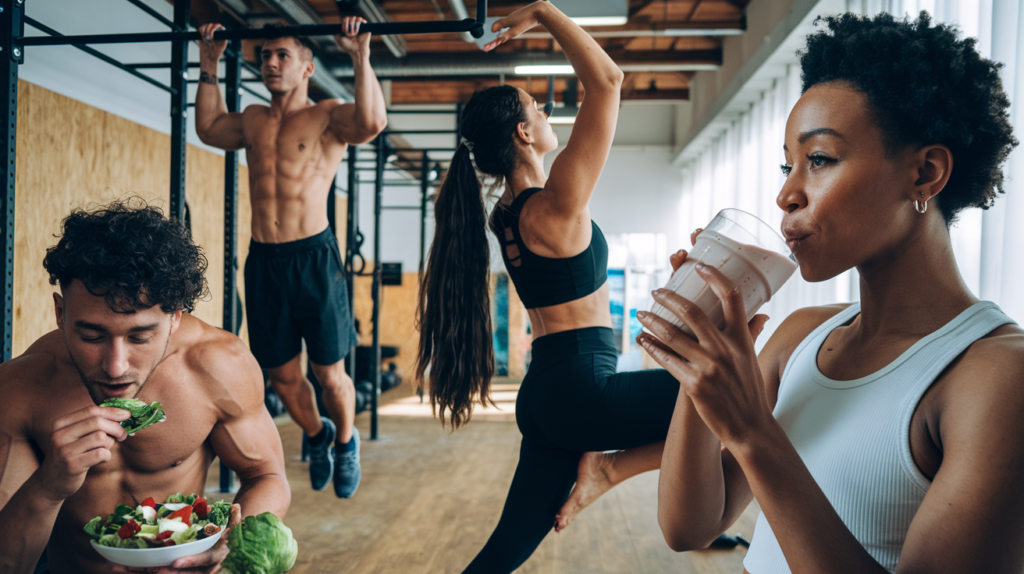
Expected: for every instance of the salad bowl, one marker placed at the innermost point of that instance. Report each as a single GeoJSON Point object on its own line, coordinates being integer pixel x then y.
{"type": "Point", "coordinates": [142, 557]}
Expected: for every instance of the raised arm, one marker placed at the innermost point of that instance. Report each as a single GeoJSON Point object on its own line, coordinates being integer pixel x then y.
{"type": "Point", "coordinates": [575, 171]}
{"type": "Point", "coordinates": [214, 124]}
{"type": "Point", "coordinates": [32, 492]}
{"type": "Point", "coordinates": [359, 122]}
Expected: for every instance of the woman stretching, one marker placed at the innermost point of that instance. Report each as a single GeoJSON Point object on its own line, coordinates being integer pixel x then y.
{"type": "Point", "coordinates": [571, 400]}
{"type": "Point", "coordinates": [883, 436]}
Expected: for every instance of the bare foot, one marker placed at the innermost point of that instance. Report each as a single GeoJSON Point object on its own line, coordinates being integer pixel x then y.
{"type": "Point", "coordinates": [592, 480]}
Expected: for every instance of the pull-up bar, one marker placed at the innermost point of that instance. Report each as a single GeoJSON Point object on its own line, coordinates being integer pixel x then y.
{"type": "Point", "coordinates": [474, 27]}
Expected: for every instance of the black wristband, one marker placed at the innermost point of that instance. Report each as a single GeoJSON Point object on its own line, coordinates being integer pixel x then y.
{"type": "Point", "coordinates": [207, 78]}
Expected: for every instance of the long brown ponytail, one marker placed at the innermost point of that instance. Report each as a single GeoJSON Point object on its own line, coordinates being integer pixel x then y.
{"type": "Point", "coordinates": [454, 308]}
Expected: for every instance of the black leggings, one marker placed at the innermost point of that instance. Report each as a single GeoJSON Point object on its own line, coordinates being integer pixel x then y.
{"type": "Point", "coordinates": [572, 401]}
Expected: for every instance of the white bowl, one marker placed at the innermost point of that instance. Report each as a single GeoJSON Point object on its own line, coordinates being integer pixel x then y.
{"type": "Point", "coordinates": [155, 556]}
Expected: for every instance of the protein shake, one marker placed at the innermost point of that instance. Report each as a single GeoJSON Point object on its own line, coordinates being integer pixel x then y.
{"type": "Point", "coordinates": [747, 251]}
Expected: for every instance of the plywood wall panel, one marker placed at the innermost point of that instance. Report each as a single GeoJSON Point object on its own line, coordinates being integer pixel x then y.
{"type": "Point", "coordinates": [71, 155]}
{"type": "Point", "coordinates": [397, 318]}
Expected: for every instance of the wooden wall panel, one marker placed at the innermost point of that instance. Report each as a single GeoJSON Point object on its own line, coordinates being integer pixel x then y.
{"type": "Point", "coordinates": [204, 193]}
{"type": "Point", "coordinates": [397, 318]}
{"type": "Point", "coordinates": [73, 155]}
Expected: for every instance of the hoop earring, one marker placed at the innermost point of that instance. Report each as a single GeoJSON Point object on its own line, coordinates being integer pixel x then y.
{"type": "Point", "coordinates": [921, 206]}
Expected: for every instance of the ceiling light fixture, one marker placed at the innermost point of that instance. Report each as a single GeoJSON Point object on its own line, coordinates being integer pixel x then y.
{"type": "Point", "coordinates": [703, 32]}
{"type": "Point", "coordinates": [600, 20]}
{"type": "Point", "coordinates": [563, 116]}
{"type": "Point", "coordinates": [546, 70]}
{"type": "Point", "coordinates": [595, 12]}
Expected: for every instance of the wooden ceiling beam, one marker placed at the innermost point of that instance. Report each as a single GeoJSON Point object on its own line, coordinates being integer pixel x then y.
{"type": "Point", "coordinates": [732, 27]}
{"type": "Point", "coordinates": [460, 90]}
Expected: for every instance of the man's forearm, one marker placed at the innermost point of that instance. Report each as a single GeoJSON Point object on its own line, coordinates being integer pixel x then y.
{"type": "Point", "coordinates": [264, 493]}
{"type": "Point", "coordinates": [210, 105]}
{"type": "Point", "coordinates": [370, 107]}
{"type": "Point", "coordinates": [25, 526]}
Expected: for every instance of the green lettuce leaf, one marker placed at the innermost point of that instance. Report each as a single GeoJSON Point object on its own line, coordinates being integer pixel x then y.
{"type": "Point", "coordinates": [220, 512]}
{"type": "Point", "coordinates": [94, 528]}
{"type": "Point", "coordinates": [143, 415]}
{"type": "Point", "coordinates": [260, 545]}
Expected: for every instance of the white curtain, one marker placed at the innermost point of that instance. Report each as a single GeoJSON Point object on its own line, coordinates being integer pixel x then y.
{"type": "Point", "coordinates": [740, 168]}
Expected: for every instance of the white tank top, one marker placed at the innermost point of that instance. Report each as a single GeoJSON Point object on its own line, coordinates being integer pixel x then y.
{"type": "Point", "coordinates": [854, 436]}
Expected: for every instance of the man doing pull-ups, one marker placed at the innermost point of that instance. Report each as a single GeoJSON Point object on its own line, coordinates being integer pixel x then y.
{"type": "Point", "coordinates": [295, 285]}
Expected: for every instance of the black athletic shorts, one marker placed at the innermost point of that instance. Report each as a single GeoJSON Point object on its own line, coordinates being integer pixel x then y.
{"type": "Point", "coordinates": [293, 291]}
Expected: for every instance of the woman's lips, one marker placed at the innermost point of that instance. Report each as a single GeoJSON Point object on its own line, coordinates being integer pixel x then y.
{"type": "Point", "coordinates": [796, 240]}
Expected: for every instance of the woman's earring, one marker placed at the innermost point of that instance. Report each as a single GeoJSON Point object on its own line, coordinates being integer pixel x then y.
{"type": "Point", "coordinates": [921, 206]}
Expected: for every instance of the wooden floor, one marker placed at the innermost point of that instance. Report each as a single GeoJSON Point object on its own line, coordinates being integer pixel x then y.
{"type": "Point", "coordinates": [430, 498]}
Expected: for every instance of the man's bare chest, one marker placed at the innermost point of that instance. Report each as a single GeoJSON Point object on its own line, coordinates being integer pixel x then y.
{"type": "Point", "coordinates": [299, 139]}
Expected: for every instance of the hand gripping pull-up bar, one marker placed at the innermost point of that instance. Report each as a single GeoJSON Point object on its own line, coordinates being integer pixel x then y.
{"type": "Point", "coordinates": [474, 27]}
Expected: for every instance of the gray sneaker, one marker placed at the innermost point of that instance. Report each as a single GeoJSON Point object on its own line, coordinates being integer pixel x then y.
{"type": "Point", "coordinates": [321, 457]}
{"type": "Point", "coordinates": [347, 471]}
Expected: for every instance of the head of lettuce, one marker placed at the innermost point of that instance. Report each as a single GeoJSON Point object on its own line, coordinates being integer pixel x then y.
{"type": "Point", "coordinates": [260, 544]}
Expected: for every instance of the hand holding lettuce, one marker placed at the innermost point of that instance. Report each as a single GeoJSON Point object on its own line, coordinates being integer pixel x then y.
{"type": "Point", "coordinates": [260, 545]}
{"type": "Point", "coordinates": [143, 415]}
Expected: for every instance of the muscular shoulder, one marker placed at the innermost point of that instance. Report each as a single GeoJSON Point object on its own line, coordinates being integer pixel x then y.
{"type": "Point", "coordinates": [25, 378]}
{"type": "Point", "coordinates": [255, 109]}
{"type": "Point", "coordinates": [986, 382]}
{"type": "Point", "coordinates": [230, 373]}
{"type": "Point", "coordinates": [330, 104]}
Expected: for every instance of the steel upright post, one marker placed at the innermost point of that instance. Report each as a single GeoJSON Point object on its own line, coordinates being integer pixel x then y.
{"type": "Point", "coordinates": [179, 110]}
{"type": "Point", "coordinates": [233, 99]}
{"type": "Point", "coordinates": [378, 192]}
{"type": "Point", "coordinates": [351, 229]}
{"type": "Point", "coordinates": [11, 56]}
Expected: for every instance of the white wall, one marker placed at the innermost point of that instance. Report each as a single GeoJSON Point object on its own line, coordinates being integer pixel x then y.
{"type": "Point", "coordinates": [75, 74]}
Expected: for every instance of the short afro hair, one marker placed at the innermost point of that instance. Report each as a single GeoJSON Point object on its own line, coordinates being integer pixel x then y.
{"type": "Point", "coordinates": [925, 85]}
{"type": "Point", "coordinates": [130, 254]}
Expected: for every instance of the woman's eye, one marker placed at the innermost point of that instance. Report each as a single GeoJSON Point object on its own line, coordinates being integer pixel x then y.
{"type": "Point", "coordinates": [786, 169]}
{"type": "Point", "coordinates": [819, 160]}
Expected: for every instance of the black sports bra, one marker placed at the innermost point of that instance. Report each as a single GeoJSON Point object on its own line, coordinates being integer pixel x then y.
{"type": "Point", "coordinates": [546, 281]}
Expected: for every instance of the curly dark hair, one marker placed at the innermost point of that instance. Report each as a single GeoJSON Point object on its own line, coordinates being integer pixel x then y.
{"type": "Point", "coordinates": [925, 84]}
{"type": "Point", "coordinates": [130, 254]}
